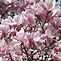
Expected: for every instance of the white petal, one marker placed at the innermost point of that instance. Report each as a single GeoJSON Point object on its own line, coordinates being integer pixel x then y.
{"type": "Point", "coordinates": [9, 1]}
{"type": "Point", "coordinates": [1, 59]}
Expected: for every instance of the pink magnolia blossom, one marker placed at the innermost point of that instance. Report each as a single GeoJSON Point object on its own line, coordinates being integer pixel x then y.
{"type": "Point", "coordinates": [30, 30]}
{"type": "Point", "coordinates": [31, 1]}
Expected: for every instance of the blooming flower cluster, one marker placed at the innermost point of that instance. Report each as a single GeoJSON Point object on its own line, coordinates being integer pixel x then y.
{"type": "Point", "coordinates": [30, 30]}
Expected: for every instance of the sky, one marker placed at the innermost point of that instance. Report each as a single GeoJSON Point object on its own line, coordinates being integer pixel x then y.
{"type": "Point", "coordinates": [59, 1]}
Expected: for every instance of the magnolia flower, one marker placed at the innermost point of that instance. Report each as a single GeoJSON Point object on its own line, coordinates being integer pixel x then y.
{"type": "Point", "coordinates": [20, 35]}
{"type": "Point", "coordinates": [0, 34]}
{"type": "Point", "coordinates": [31, 1]}
{"type": "Point", "coordinates": [4, 28]}
{"type": "Point", "coordinates": [10, 1]}
{"type": "Point", "coordinates": [28, 40]}
{"type": "Point", "coordinates": [50, 4]}
{"type": "Point", "coordinates": [44, 10]}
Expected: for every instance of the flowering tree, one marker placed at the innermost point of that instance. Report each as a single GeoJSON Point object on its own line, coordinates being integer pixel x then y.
{"type": "Point", "coordinates": [30, 30]}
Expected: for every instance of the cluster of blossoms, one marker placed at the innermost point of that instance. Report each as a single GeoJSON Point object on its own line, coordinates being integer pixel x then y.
{"type": "Point", "coordinates": [30, 30]}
